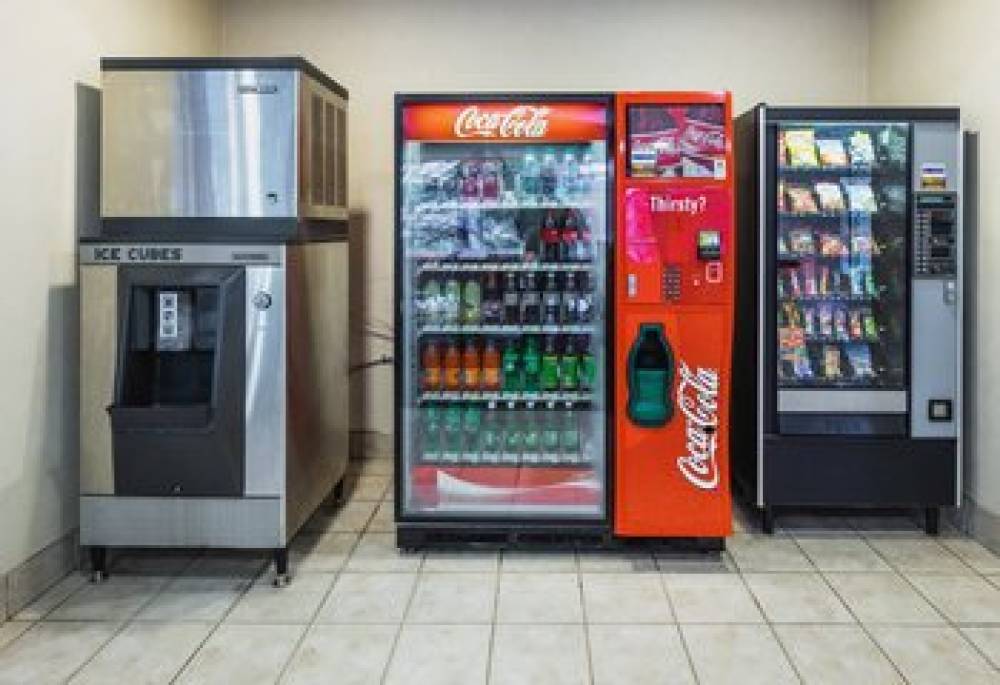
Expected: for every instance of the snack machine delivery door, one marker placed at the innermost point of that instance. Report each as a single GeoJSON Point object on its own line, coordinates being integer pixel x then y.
{"type": "Point", "coordinates": [674, 297]}
{"type": "Point", "coordinates": [502, 244]}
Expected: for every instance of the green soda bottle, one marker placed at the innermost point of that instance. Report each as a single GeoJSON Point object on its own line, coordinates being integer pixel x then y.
{"type": "Point", "coordinates": [492, 435]}
{"type": "Point", "coordinates": [532, 366]}
{"type": "Point", "coordinates": [569, 436]}
{"type": "Point", "coordinates": [532, 436]}
{"type": "Point", "coordinates": [472, 421]}
{"type": "Point", "coordinates": [569, 367]}
{"type": "Point", "coordinates": [511, 367]}
{"type": "Point", "coordinates": [513, 438]}
{"type": "Point", "coordinates": [550, 366]}
{"type": "Point", "coordinates": [431, 434]}
{"type": "Point", "coordinates": [550, 434]}
{"type": "Point", "coordinates": [588, 369]}
{"type": "Point", "coordinates": [452, 433]}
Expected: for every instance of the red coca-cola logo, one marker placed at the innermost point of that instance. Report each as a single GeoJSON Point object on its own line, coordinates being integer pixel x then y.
{"type": "Point", "coordinates": [522, 121]}
{"type": "Point", "coordinates": [698, 400]}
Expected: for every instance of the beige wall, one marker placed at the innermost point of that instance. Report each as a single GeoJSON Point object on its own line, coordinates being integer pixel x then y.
{"type": "Point", "coordinates": [799, 51]}
{"type": "Point", "coordinates": [49, 47]}
{"type": "Point", "coordinates": [923, 51]}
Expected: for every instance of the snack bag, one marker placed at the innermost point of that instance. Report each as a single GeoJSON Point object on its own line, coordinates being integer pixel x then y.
{"type": "Point", "coordinates": [809, 321]}
{"type": "Point", "coordinates": [862, 150]}
{"type": "Point", "coordinates": [801, 146]}
{"type": "Point", "coordinates": [861, 245]}
{"type": "Point", "coordinates": [871, 328]}
{"type": "Point", "coordinates": [860, 197]}
{"type": "Point", "coordinates": [831, 245]}
{"type": "Point", "coordinates": [782, 245]}
{"type": "Point", "coordinates": [803, 369]}
{"type": "Point", "coordinates": [800, 200]}
{"type": "Point", "coordinates": [824, 281]}
{"type": "Point", "coordinates": [782, 203]}
{"type": "Point", "coordinates": [808, 271]}
{"type": "Point", "coordinates": [831, 362]}
{"type": "Point", "coordinates": [782, 149]}
{"type": "Point", "coordinates": [802, 242]}
{"type": "Point", "coordinates": [840, 323]}
{"type": "Point", "coordinates": [893, 142]}
{"type": "Point", "coordinates": [860, 359]}
{"type": "Point", "coordinates": [831, 152]}
{"type": "Point", "coordinates": [855, 324]}
{"type": "Point", "coordinates": [825, 320]}
{"type": "Point", "coordinates": [830, 197]}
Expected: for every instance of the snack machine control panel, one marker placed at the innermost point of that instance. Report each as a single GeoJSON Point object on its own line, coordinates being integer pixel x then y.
{"type": "Point", "coordinates": [935, 244]}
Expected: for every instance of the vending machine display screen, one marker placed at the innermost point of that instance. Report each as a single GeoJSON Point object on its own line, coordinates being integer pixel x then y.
{"type": "Point", "coordinates": [676, 141]}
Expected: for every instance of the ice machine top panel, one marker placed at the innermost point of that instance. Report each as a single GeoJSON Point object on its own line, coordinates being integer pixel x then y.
{"type": "Point", "coordinates": [222, 63]}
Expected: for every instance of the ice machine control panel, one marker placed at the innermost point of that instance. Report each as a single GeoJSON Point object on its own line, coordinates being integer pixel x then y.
{"type": "Point", "coordinates": [935, 241]}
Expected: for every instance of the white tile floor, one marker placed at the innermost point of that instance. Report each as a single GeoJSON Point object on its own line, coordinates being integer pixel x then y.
{"type": "Point", "coordinates": [825, 600]}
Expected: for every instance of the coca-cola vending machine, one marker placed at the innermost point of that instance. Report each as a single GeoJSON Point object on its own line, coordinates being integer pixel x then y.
{"type": "Point", "coordinates": [674, 295]}
{"type": "Point", "coordinates": [502, 322]}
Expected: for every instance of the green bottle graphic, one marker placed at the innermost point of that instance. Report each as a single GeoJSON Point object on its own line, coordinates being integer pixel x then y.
{"type": "Point", "coordinates": [550, 366]}
{"type": "Point", "coordinates": [532, 366]}
{"type": "Point", "coordinates": [511, 364]}
{"type": "Point", "coordinates": [569, 367]}
{"type": "Point", "coordinates": [650, 377]}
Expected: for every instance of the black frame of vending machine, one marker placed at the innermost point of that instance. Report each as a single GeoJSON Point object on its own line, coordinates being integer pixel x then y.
{"type": "Point", "coordinates": [883, 468]}
{"type": "Point", "coordinates": [420, 532]}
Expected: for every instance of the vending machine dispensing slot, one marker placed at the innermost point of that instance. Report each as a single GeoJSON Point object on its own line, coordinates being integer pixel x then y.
{"type": "Point", "coordinates": [650, 377]}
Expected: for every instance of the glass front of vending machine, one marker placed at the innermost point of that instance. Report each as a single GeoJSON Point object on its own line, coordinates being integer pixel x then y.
{"type": "Point", "coordinates": [501, 312]}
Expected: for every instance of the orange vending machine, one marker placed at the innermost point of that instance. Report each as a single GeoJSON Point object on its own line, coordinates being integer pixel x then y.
{"type": "Point", "coordinates": [674, 276]}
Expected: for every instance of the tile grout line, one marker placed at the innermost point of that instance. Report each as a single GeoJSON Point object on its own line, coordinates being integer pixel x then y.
{"type": "Point", "coordinates": [218, 624]}
{"type": "Point", "coordinates": [677, 623]}
{"type": "Point", "coordinates": [493, 623]}
{"type": "Point", "coordinates": [125, 623]}
{"type": "Point", "coordinates": [319, 607]}
{"type": "Point", "coordinates": [768, 623]}
{"type": "Point", "coordinates": [948, 622]}
{"type": "Point", "coordinates": [588, 651]}
{"type": "Point", "coordinates": [864, 628]}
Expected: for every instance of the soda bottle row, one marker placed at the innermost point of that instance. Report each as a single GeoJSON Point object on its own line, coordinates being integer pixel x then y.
{"type": "Point", "coordinates": [509, 298]}
{"type": "Point", "coordinates": [472, 435]}
{"type": "Point", "coordinates": [532, 179]}
{"type": "Point", "coordinates": [539, 364]}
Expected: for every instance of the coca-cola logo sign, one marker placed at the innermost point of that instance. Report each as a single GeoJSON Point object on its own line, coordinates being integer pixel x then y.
{"type": "Point", "coordinates": [698, 399]}
{"type": "Point", "coordinates": [521, 121]}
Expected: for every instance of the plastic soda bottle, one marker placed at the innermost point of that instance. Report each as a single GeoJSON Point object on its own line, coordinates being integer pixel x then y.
{"type": "Point", "coordinates": [471, 374]}
{"type": "Point", "coordinates": [569, 367]}
{"type": "Point", "coordinates": [452, 300]}
{"type": "Point", "coordinates": [512, 368]}
{"type": "Point", "coordinates": [550, 433]}
{"type": "Point", "coordinates": [550, 366]}
{"type": "Point", "coordinates": [513, 439]}
{"type": "Point", "coordinates": [452, 367]}
{"type": "Point", "coordinates": [452, 433]}
{"type": "Point", "coordinates": [491, 367]}
{"type": "Point", "coordinates": [492, 435]}
{"type": "Point", "coordinates": [588, 368]}
{"type": "Point", "coordinates": [431, 366]}
{"type": "Point", "coordinates": [472, 421]}
{"type": "Point", "coordinates": [431, 304]}
{"type": "Point", "coordinates": [431, 434]}
{"type": "Point", "coordinates": [472, 299]}
{"type": "Point", "coordinates": [532, 366]}
{"type": "Point", "coordinates": [569, 435]}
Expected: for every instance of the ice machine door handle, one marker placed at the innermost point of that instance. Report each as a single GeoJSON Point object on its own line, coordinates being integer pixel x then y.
{"type": "Point", "coordinates": [650, 377]}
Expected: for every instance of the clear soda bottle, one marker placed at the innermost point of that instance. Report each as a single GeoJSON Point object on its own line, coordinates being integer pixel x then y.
{"type": "Point", "coordinates": [532, 435]}
{"type": "Point", "coordinates": [530, 179]}
{"type": "Point", "coordinates": [453, 435]}
{"type": "Point", "coordinates": [569, 176]}
{"type": "Point", "coordinates": [492, 435]}
{"type": "Point", "coordinates": [569, 436]}
{"type": "Point", "coordinates": [472, 424]}
{"type": "Point", "coordinates": [431, 434]}
{"type": "Point", "coordinates": [548, 176]}
{"type": "Point", "coordinates": [452, 300]}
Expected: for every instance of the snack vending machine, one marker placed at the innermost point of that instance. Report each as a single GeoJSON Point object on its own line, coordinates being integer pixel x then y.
{"type": "Point", "coordinates": [502, 315]}
{"type": "Point", "coordinates": [849, 350]}
{"type": "Point", "coordinates": [674, 269]}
